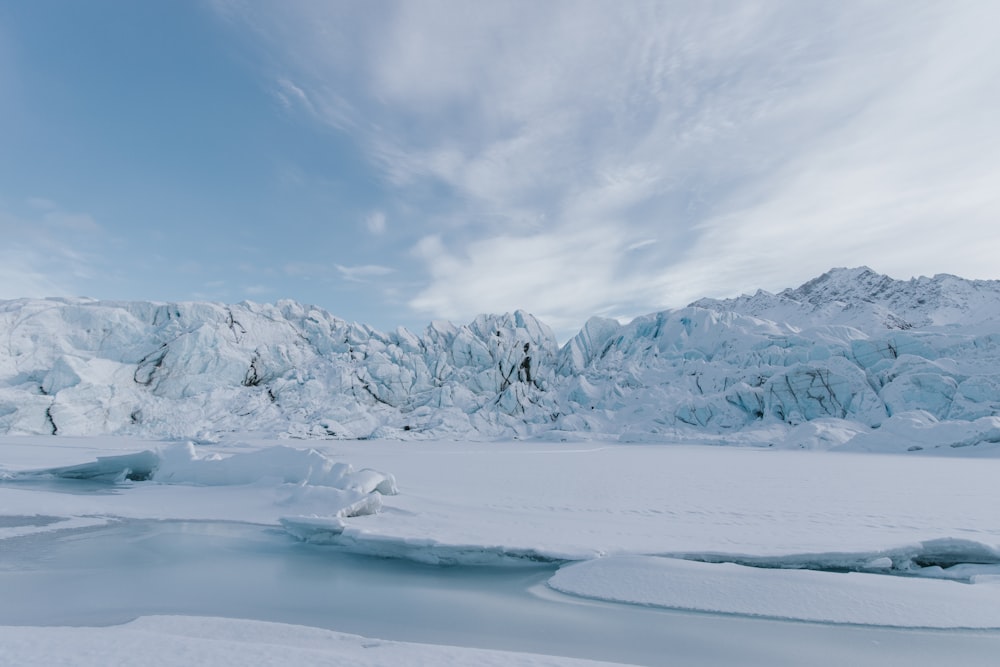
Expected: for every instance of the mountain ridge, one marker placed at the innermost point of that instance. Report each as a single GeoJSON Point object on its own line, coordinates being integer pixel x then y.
{"type": "Point", "coordinates": [941, 300]}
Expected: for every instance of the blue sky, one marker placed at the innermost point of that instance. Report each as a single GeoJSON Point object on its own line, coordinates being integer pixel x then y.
{"type": "Point", "coordinates": [397, 162]}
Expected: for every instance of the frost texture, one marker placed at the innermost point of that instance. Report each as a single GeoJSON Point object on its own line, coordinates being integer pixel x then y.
{"type": "Point", "coordinates": [851, 345]}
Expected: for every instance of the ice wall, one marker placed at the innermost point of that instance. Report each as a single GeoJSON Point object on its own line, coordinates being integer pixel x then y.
{"type": "Point", "coordinates": [850, 345]}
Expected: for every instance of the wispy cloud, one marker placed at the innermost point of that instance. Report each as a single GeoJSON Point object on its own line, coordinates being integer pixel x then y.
{"type": "Point", "coordinates": [46, 250]}
{"type": "Point", "coordinates": [548, 144]}
{"type": "Point", "coordinates": [362, 273]}
{"type": "Point", "coordinates": [212, 290]}
{"type": "Point", "coordinates": [258, 290]}
{"type": "Point", "coordinates": [375, 223]}
{"type": "Point", "coordinates": [23, 274]}
{"type": "Point", "coordinates": [291, 95]}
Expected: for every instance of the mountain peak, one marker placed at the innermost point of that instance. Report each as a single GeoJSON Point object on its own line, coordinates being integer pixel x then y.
{"type": "Point", "coordinates": [870, 301]}
{"type": "Point", "coordinates": [839, 282]}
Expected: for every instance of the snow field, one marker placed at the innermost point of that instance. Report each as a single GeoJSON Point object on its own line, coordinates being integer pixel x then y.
{"type": "Point", "coordinates": [170, 641]}
{"type": "Point", "coordinates": [474, 504]}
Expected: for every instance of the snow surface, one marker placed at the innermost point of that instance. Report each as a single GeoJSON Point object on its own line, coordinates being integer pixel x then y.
{"type": "Point", "coordinates": [851, 347]}
{"type": "Point", "coordinates": [185, 640]}
{"type": "Point", "coordinates": [459, 502]}
{"type": "Point", "coordinates": [888, 517]}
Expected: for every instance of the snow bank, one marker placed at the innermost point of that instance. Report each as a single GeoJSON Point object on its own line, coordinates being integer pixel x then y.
{"type": "Point", "coordinates": [803, 595]}
{"type": "Point", "coordinates": [332, 531]}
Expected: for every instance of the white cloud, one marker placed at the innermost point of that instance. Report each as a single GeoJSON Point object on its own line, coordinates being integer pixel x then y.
{"type": "Point", "coordinates": [23, 274]}
{"type": "Point", "coordinates": [306, 270]}
{"type": "Point", "coordinates": [212, 290]}
{"type": "Point", "coordinates": [291, 95]}
{"type": "Point", "coordinates": [375, 222]}
{"type": "Point", "coordinates": [362, 273]}
{"type": "Point", "coordinates": [905, 184]}
{"type": "Point", "coordinates": [759, 144]}
{"type": "Point", "coordinates": [546, 274]}
{"type": "Point", "coordinates": [46, 251]}
{"type": "Point", "coordinates": [639, 245]}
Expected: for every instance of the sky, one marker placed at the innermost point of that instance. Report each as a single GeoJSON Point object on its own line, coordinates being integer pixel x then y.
{"type": "Point", "coordinates": [402, 162]}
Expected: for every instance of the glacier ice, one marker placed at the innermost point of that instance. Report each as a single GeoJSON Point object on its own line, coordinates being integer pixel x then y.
{"type": "Point", "coordinates": [851, 345]}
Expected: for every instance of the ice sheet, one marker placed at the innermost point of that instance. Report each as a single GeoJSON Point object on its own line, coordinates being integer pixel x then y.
{"type": "Point", "coordinates": [804, 595]}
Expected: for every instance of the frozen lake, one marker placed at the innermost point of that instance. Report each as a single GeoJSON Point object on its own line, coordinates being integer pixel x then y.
{"type": "Point", "coordinates": [460, 557]}
{"type": "Point", "coordinates": [111, 574]}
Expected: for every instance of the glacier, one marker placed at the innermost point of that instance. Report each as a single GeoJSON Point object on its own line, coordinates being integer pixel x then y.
{"type": "Point", "coordinates": [852, 359]}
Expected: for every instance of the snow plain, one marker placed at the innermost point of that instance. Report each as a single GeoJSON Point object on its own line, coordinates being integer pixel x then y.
{"type": "Point", "coordinates": [493, 553]}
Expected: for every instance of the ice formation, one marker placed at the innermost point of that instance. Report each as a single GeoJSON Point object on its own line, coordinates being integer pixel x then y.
{"type": "Point", "coordinates": [305, 484]}
{"type": "Point", "coordinates": [852, 359]}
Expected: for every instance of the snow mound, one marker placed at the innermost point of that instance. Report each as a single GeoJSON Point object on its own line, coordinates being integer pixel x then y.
{"type": "Point", "coordinates": [804, 595]}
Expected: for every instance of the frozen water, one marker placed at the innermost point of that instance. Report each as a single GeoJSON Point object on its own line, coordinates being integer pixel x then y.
{"type": "Point", "coordinates": [107, 576]}
{"type": "Point", "coordinates": [807, 595]}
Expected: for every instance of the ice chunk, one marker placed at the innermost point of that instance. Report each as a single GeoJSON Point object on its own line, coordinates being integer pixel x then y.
{"type": "Point", "coordinates": [133, 467]}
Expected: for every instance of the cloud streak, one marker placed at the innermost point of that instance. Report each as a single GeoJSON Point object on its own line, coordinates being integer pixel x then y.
{"type": "Point", "coordinates": [362, 273]}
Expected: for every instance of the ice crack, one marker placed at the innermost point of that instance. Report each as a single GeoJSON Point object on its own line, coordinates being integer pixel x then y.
{"type": "Point", "coordinates": [943, 558]}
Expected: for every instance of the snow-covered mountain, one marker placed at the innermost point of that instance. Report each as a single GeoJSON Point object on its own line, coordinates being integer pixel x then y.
{"type": "Point", "coordinates": [873, 302]}
{"type": "Point", "coordinates": [850, 357]}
